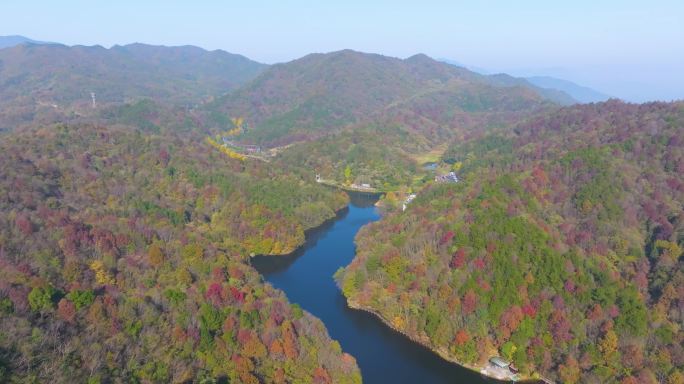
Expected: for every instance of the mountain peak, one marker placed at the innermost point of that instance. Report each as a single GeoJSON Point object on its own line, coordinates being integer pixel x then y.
{"type": "Point", "coordinates": [420, 57]}
{"type": "Point", "coordinates": [352, 54]}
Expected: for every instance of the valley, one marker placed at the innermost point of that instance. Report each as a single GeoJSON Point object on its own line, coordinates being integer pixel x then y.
{"type": "Point", "coordinates": [173, 214]}
{"type": "Point", "coordinates": [383, 355]}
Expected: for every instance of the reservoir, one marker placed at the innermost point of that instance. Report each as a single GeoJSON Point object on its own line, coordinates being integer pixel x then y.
{"type": "Point", "coordinates": [306, 277]}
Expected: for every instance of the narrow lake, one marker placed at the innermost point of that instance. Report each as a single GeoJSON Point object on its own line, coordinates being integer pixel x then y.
{"type": "Point", "coordinates": [384, 356]}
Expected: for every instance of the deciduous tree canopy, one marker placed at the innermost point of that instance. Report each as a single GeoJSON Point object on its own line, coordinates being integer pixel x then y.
{"type": "Point", "coordinates": [560, 249]}
{"type": "Point", "coordinates": [124, 257]}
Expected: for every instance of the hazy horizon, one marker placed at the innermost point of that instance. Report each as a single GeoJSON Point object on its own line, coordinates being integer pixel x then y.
{"type": "Point", "coordinates": [624, 49]}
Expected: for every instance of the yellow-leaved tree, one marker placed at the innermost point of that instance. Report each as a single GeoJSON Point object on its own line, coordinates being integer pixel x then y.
{"type": "Point", "coordinates": [101, 275]}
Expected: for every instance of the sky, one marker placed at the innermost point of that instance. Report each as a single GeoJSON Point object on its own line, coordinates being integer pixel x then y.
{"type": "Point", "coordinates": [629, 49]}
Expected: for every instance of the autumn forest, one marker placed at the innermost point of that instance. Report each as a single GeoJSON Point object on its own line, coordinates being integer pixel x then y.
{"type": "Point", "coordinates": [138, 182]}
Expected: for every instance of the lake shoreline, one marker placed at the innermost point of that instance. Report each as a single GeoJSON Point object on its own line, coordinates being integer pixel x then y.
{"type": "Point", "coordinates": [441, 353]}
{"type": "Point", "coordinates": [337, 213]}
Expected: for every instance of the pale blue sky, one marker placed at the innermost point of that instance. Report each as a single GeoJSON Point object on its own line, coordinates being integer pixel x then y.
{"type": "Point", "coordinates": [630, 49]}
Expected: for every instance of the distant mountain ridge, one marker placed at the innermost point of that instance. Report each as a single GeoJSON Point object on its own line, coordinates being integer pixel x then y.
{"type": "Point", "coordinates": [559, 96]}
{"type": "Point", "coordinates": [57, 80]}
{"type": "Point", "coordinates": [308, 97]}
{"type": "Point", "coordinates": [549, 84]}
{"type": "Point", "coordinates": [578, 92]}
{"type": "Point", "coordinates": [14, 40]}
{"type": "Point", "coordinates": [135, 70]}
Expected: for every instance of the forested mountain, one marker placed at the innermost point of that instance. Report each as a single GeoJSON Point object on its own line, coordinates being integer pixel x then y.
{"type": "Point", "coordinates": [322, 93]}
{"type": "Point", "coordinates": [387, 150]}
{"type": "Point", "coordinates": [126, 232]}
{"type": "Point", "coordinates": [124, 257]}
{"type": "Point", "coordinates": [560, 249]}
{"type": "Point", "coordinates": [55, 82]}
{"type": "Point", "coordinates": [373, 115]}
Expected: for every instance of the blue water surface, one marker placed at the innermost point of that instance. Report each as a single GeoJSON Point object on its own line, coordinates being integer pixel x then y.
{"type": "Point", "coordinates": [306, 276]}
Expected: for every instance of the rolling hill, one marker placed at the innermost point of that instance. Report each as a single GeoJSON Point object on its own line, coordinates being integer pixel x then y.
{"type": "Point", "coordinates": [124, 257]}
{"type": "Point", "coordinates": [322, 93]}
{"type": "Point", "coordinates": [126, 234]}
{"type": "Point", "coordinates": [560, 248]}
{"type": "Point", "coordinates": [549, 84]}
{"type": "Point", "coordinates": [55, 81]}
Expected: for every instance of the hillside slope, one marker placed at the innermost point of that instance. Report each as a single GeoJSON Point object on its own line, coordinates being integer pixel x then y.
{"type": "Point", "coordinates": [56, 81]}
{"type": "Point", "coordinates": [322, 93]}
{"type": "Point", "coordinates": [560, 249]}
{"type": "Point", "coordinates": [124, 257]}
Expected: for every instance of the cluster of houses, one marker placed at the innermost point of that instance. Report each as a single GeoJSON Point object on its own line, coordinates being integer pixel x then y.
{"type": "Point", "coordinates": [447, 178]}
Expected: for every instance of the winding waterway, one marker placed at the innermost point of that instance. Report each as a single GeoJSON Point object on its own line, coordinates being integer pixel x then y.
{"type": "Point", "coordinates": [384, 355]}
